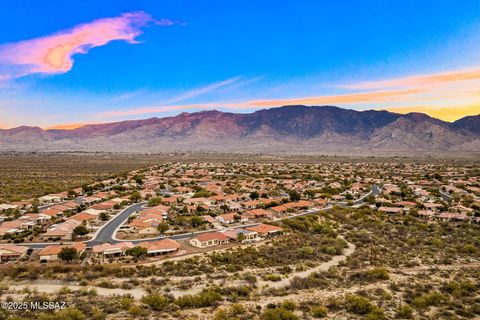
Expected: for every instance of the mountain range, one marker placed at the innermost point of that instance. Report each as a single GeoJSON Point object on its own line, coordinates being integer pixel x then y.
{"type": "Point", "coordinates": [288, 129]}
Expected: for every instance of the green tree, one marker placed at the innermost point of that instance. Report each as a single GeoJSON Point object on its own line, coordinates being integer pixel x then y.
{"type": "Point", "coordinates": [254, 195]}
{"type": "Point", "coordinates": [68, 254]}
{"type": "Point", "coordinates": [135, 196]}
{"type": "Point", "coordinates": [225, 208]}
{"type": "Point", "coordinates": [154, 201]}
{"type": "Point", "coordinates": [294, 195]}
{"type": "Point", "coordinates": [162, 227]}
{"type": "Point", "coordinates": [137, 252]}
{"type": "Point", "coordinates": [80, 230]}
{"type": "Point", "coordinates": [103, 216]}
{"type": "Point", "coordinates": [195, 221]}
{"type": "Point", "coordinates": [240, 237]}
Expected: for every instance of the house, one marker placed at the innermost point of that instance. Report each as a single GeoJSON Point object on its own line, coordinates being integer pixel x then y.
{"type": "Point", "coordinates": [52, 212]}
{"type": "Point", "coordinates": [280, 209]}
{"type": "Point", "coordinates": [265, 230]}
{"type": "Point", "coordinates": [453, 216]}
{"type": "Point", "coordinates": [260, 214]}
{"type": "Point", "coordinates": [390, 210]}
{"type": "Point", "coordinates": [11, 227]}
{"type": "Point", "coordinates": [37, 218]}
{"type": "Point", "coordinates": [5, 207]}
{"type": "Point", "coordinates": [426, 213]}
{"type": "Point", "coordinates": [160, 247]}
{"type": "Point", "coordinates": [231, 218]}
{"type": "Point", "coordinates": [144, 226]}
{"type": "Point", "coordinates": [84, 218]}
{"type": "Point", "coordinates": [247, 236]}
{"type": "Point", "coordinates": [10, 252]}
{"type": "Point", "coordinates": [209, 219]}
{"type": "Point", "coordinates": [105, 206]}
{"type": "Point", "coordinates": [50, 253]}
{"type": "Point", "coordinates": [159, 211]}
{"type": "Point", "coordinates": [108, 249]}
{"type": "Point", "coordinates": [48, 199]}
{"type": "Point", "coordinates": [209, 239]}
{"type": "Point", "coordinates": [405, 204]}
{"type": "Point", "coordinates": [63, 231]}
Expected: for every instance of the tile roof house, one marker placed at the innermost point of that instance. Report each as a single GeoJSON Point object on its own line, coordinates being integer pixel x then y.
{"type": "Point", "coordinates": [390, 209]}
{"type": "Point", "coordinates": [209, 239]}
{"type": "Point", "coordinates": [160, 247]}
{"type": "Point", "coordinates": [50, 253]}
{"type": "Point", "coordinates": [248, 235]}
{"type": "Point", "coordinates": [231, 218]}
{"type": "Point", "coordinates": [260, 213]}
{"type": "Point", "coordinates": [265, 229]}
{"type": "Point", "coordinates": [112, 249]}
{"type": "Point", "coordinates": [10, 252]}
{"type": "Point", "coordinates": [63, 231]}
{"type": "Point", "coordinates": [10, 227]}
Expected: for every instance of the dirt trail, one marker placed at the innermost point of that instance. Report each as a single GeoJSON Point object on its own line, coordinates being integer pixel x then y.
{"type": "Point", "coordinates": [137, 293]}
{"type": "Point", "coordinates": [335, 261]}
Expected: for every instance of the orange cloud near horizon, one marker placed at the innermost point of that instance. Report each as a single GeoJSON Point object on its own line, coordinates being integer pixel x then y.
{"type": "Point", "coordinates": [418, 80]}
{"type": "Point", "coordinates": [68, 126]}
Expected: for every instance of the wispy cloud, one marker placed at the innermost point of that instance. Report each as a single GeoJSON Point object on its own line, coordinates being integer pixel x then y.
{"type": "Point", "coordinates": [203, 90]}
{"type": "Point", "coordinates": [54, 54]}
{"type": "Point", "coordinates": [417, 80]}
{"type": "Point", "coordinates": [320, 100]}
{"type": "Point", "coordinates": [448, 96]}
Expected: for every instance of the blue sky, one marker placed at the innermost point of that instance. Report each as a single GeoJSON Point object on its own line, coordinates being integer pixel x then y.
{"type": "Point", "coordinates": [235, 55]}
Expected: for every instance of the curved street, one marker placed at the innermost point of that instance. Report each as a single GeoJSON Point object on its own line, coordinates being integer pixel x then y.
{"type": "Point", "coordinates": [107, 232]}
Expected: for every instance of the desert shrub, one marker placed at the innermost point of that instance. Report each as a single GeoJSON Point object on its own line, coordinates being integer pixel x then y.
{"type": "Point", "coordinates": [278, 314]}
{"type": "Point", "coordinates": [428, 299]}
{"type": "Point", "coordinates": [206, 298]}
{"type": "Point", "coordinates": [319, 312]}
{"type": "Point", "coordinates": [156, 301]}
{"type": "Point", "coordinates": [232, 313]}
{"type": "Point", "coordinates": [405, 312]}
{"type": "Point", "coordinates": [358, 304]}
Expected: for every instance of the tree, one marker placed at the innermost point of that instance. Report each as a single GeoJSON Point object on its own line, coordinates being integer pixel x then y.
{"type": "Point", "coordinates": [80, 230]}
{"type": "Point", "coordinates": [310, 193]}
{"type": "Point", "coordinates": [240, 237]}
{"type": "Point", "coordinates": [137, 252]}
{"type": "Point", "coordinates": [195, 221]}
{"type": "Point", "coordinates": [68, 254]}
{"type": "Point", "coordinates": [135, 196]}
{"type": "Point", "coordinates": [294, 195]}
{"type": "Point", "coordinates": [103, 216]}
{"type": "Point", "coordinates": [225, 208]}
{"type": "Point", "coordinates": [254, 195]}
{"type": "Point", "coordinates": [154, 201]}
{"type": "Point", "coordinates": [162, 227]}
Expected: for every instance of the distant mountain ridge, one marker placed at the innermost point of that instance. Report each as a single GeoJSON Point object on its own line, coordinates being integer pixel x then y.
{"type": "Point", "coordinates": [288, 129]}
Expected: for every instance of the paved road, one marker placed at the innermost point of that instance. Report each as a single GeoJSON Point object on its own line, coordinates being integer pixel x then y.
{"type": "Point", "coordinates": [444, 196]}
{"type": "Point", "coordinates": [375, 192]}
{"type": "Point", "coordinates": [107, 231]}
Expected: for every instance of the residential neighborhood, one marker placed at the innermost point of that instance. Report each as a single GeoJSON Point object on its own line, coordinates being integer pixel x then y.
{"type": "Point", "coordinates": [178, 208]}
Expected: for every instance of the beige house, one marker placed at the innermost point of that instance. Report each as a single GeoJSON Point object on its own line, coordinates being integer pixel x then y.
{"type": "Point", "coordinates": [209, 239]}
{"type": "Point", "coordinates": [10, 252]}
{"type": "Point", "coordinates": [50, 253]}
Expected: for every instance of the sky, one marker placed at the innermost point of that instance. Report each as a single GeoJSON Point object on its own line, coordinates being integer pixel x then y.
{"type": "Point", "coordinates": [64, 64]}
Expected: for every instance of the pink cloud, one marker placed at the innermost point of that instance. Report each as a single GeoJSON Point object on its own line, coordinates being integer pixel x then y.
{"type": "Point", "coordinates": [419, 80]}
{"type": "Point", "coordinates": [53, 54]}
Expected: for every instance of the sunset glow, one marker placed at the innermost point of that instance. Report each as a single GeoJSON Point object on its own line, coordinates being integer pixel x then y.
{"type": "Point", "coordinates": [119, 61]}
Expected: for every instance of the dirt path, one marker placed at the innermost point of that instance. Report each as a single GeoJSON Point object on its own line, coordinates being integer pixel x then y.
{"type": "Point", "coordinates": [303, 274]}
{"type": "Point", "coordinates": [18, 289]}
